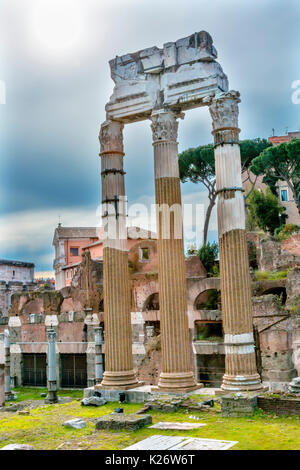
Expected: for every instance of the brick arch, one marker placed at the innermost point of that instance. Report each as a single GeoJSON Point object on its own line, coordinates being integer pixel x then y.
{"type": "Point", "coordinates": [194, 288]}
{"type": "Point", "coordinates": [143, 292]}
{"type": "Point", "coordinates": [197, 287]}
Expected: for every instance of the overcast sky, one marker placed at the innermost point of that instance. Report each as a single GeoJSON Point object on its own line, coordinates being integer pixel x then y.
{"type": "Point", "coordinates": [54, 63]}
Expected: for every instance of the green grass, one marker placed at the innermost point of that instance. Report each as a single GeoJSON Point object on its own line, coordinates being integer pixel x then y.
{"type": "Point", "coordinates": [43, 427]}
{"type": "Point", "coordinates": [270, 275]}
{"type": "Point", "coordinates": [28, 393]}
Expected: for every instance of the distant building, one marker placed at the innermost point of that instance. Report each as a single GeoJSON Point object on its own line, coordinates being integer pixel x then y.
{"type": "Point", "coordinates": [16, 271]}
{"type": "Point", "coordinates": [279, 139]}
{"type": "Point", "coordinates": [285, 194]}
{"type": "Point", "coordinates": [69, 243]}
{"type": "Point", "coordinates": [14, 276]}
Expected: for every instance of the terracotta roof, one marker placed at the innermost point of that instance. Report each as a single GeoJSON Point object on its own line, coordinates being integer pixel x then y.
{"type": "Point", "coordinates": [77, 232]}
{"type": "Point", "coordinates": [134, 233]}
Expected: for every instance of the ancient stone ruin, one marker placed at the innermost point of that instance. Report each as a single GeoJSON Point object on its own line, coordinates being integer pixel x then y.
{"type": "Point", "coordinates": [159, 84]}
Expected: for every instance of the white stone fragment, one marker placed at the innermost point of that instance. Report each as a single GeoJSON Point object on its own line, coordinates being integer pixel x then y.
{"type": "Point", "coordinates": [159, 442]}
{"type": "Point", "coordinates": [177, 426]}
{"type": "Point", "coordinates": [203, 444]}
{"type": "Point", "coordinates": [17, 447]}
{"type": "Point", "coordinates": [76, 423]}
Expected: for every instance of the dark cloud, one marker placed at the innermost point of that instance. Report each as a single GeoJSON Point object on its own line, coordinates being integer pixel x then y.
{"type": "Point", "coordinates": [49, 126]}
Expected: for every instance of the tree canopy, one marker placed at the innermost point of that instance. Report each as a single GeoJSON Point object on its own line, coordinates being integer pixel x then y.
{"type": "Point", "coordinates": [265, 211]}
{"type": "Point", "coordinates": [198, 166]}
{"type": "Point", "coordinates": [280, 163]}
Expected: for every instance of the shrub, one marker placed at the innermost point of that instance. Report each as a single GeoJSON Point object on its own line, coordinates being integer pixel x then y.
{"type": "Point", "coordinates": [208, 254]}
{"type": "Point", "coordinates": [286, 232]}
{"type": "Point", "coordinates": [270, 275]}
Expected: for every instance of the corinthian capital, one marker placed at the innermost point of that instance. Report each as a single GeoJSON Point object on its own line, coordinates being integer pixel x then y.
{"type": "Point", "coordinates": [51, 335]}
{"type": "Point", "coordinates": [164, 125]}
{"type": "Point", "coordinates": [224, 110]}
{"type": "Point", "coordinates": [111, 137]}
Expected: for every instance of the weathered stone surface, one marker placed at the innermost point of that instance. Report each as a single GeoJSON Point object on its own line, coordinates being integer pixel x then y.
{"type": "Point", "coordinates": [177, 426]}
{"type": "Point", "coordinates": [238, 404]}
{"type": "Point", "coordinates": [17, 447]}
{"type": "Point", "coordinates": [76, 423]}
{"type": "Point", "coordinates": [165, 403]}
{"type": "Point", "coordinates": [204, 444]}
{"type": "Point", "coordinates": [187, 70]}
{"type": "Point", "coordinates": [294, 386]}
{"type": "Point", "coordinates": [293, 289]}
{"type": "Point", "coordinates": [93, 401]}
{"type": "Point", "coordinates": [276, 257]}
{"type": "Point", "coordinates": [123, 421]}
{"type": "Point", "coordinates": [159, 442]}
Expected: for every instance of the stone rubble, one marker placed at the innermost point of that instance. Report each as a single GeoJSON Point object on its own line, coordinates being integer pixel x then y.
{"type": "Point", "coordinates": [93, 401]}
{"type": "Point", "coordinates": [76, 423]}
{"type": "Point", "coordinates": [17, 447]}
{"type": "Point", "coordinates": [294, 385]}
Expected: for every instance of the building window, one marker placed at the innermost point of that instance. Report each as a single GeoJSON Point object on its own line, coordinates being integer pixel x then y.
{"type": "Point", "coordinates": [284, 195]}
{"type": "Point", "coordinates": [74, 251]}
{"type": "Point", "coordinates": [14, 272]}
{"type": "Point", "coordinates": [67, 274]}
{"type": "Point", "coordinates": [144, 254]}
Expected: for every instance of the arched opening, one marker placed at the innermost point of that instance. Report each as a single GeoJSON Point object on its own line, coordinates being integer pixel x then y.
{"type": "Point", "coordinates": [210, 352]}
{"type": "Point", "coordinates": [280, 292]}
{"type": "Point", "coordinates": [209, 331]}
{"type": "Point", "coordinates": [154, 329]}
{"type": "Point", "coordinates": [152, 302]}
{"type": "Point", "coordinates": [208, 300]}
{"type": "Point", "coordinates": [101, 306]}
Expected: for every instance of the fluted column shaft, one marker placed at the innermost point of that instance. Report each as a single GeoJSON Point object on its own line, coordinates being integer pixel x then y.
{"type": "Point", "coordinates": [119, 372]}
{"type": "Point", "coordinates": [98, 355]}
{"type": "Point", "coordinates": [177, 374]}
{"type": "Point", "coordinates": [8, 393]}
{"type": "Point", "coordinates": [240, 362]}
{"type": "Point", "coordinates": [52, 379]}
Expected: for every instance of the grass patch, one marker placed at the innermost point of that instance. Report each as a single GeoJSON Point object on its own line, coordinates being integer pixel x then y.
{"type": "Point", "coordinates": [270, 275]}
{"type": "Point", "coordinates": [43, 428]}
{"type": "Point", "coordinates": [29, 393]}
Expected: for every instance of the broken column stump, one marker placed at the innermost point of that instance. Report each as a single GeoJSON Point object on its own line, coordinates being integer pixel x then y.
{"type": "Point", "coordinates": [116, 421]}
{"type": "Point", "coordinates": [239, 404]}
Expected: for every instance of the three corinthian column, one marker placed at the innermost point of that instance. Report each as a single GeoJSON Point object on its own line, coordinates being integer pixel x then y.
{"type": "Point", "coordinates": [177, 374]}
{"type": "Point", "coordinates": [240, 363]}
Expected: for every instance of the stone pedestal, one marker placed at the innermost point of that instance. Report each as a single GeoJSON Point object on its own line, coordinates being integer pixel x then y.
{"type": "Point", "coordinates": [240, 366]}
{"type": "Point", "coordinates": [177, 374]}
{"type": "Point", "coordinates": [119, 373]}
{"type": "Point", "coordinates": [239, 404]}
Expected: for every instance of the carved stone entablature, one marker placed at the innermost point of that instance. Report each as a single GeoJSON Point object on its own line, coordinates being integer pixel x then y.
{"type": "Point", "coordinates": [111, 137]}
{"type": "Point", "coordinates": [164, 126]}
{"type": "Point", "coordinates": [180, 76]}
{"type": "Point", "coordinates": [224, 110]}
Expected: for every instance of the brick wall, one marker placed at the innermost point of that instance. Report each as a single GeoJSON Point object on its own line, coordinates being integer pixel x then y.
{"type": "Point", "coordinates": [279, 406]}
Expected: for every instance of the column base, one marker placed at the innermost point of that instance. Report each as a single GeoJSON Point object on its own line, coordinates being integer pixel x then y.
{"type": "Point", "coordinates": [119, 381]}
{"type": "Point", "coordinates": [242, 383]}
{"type": "Point", "coordinates": [9, 396]}
{"type": "Point", "coordinates": [51, 398]}
{"type": "Point", "coordinates": [177, 382]}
